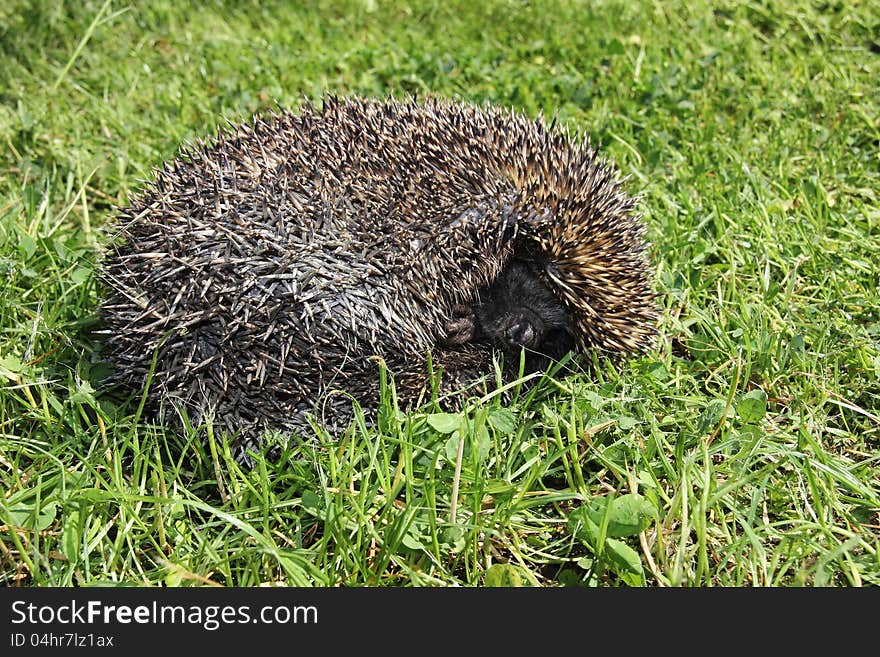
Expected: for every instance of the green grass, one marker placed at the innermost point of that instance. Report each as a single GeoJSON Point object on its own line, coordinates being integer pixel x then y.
{"type": "Point", "coordinates": [743, 451]}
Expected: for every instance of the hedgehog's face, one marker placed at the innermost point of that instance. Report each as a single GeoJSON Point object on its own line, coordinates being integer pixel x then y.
{"type": "Point", "coordinates": [518, 311]}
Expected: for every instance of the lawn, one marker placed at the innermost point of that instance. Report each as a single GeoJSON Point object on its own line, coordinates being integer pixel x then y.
{"type": "Point", "coordinates": [742, 451]}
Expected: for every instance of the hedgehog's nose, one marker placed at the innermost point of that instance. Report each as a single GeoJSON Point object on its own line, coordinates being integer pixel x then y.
{"type": "Point", "coordinates": [521, 334]}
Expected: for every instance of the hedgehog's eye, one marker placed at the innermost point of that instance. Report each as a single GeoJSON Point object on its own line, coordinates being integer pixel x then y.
{"type": "Point", "coordinates": [521, 333]}
{"type": "Point", "coordinates": [551, 269]}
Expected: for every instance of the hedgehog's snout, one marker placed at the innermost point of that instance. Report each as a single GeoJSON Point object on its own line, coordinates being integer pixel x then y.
{"type": "Point", "coordinates": [521, 333]}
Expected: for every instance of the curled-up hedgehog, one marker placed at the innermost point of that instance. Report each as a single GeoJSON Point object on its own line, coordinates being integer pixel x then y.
{"type": "Point", "coordinates": [266, 268]}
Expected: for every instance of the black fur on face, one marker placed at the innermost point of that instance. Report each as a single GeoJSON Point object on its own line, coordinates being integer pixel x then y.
{"type": "Point", "coordinates": [518, 311]}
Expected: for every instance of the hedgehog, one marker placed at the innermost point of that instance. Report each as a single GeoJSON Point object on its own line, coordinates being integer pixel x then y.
{"type": "Point", "coordinates": [261, 273]}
